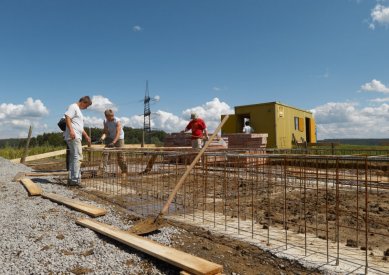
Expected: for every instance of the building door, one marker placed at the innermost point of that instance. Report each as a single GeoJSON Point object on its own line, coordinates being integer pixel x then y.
{"type": "Point", "coordinates": [308, 130]}
{"type": "Point", "coordinates": [241, 122]}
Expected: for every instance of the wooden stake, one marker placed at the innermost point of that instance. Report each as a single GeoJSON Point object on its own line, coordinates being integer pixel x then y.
{"type": "Point", "coordinates": [25, 154]}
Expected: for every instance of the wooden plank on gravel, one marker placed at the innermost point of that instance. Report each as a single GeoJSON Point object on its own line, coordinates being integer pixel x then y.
{"type": "Point", "coordinates": [44, 174]}
{"type": "Point", "coordinates": [180, 259]}
{"type": "Point", "coordinates": [76, 205]}
{"type": "Point", "coordinates": [186, 273]}
{"type": "Point", "coordinates": [33, 189]}
{"type": "Point", "coordinates": [21, 175]}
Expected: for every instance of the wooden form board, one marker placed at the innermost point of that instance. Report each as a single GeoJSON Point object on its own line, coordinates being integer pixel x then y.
{"type": "Point", "coordinates": [186, 273]}
{"type": "Point", "coordinates": [323, 174]}
{"type": "Point", "coordinates": [33, 189]}
{"type": "Point", "coordinates": [76, 205]}
{"type": "Point", "coordinates": [41, 156]}
{"type": "Point", "coordinates": [21, 175]}
{"type": "Point", "coordinates": [44, 174]}
{"type": "Point", "coordinates": [180, 259]}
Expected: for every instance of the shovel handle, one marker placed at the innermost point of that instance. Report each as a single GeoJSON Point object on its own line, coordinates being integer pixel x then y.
{"type": "Point", "coordinates": [185, 175]}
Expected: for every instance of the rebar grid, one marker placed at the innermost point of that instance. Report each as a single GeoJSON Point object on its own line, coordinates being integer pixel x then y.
{"type": "Point", "coordinates": [343, 200]}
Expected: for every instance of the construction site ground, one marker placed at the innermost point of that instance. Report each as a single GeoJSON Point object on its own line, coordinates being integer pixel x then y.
{"type": "Point", "coordinates": [237, 257]}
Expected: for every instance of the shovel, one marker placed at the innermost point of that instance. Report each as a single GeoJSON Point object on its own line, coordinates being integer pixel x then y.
{"type": "Point", "coordinates": [151, 224]}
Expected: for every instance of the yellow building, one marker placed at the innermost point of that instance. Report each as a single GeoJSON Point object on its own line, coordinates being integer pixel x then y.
{"type": "Point", "coordinates": [283, 124]}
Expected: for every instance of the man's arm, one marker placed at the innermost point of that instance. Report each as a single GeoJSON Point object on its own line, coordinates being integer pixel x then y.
{"type": "Point", "coordinates": [105, 133]}
{"type": "Point", "coordinates": [187, 128]}
{"type": "Point", "coordinates": [86, 137]}
{"type": "Point", "coordinates": [118, 130]}
{"type": "Point", "coordinates": [205, 132]}
{"type": "Point", "coordinates": [70, 127]}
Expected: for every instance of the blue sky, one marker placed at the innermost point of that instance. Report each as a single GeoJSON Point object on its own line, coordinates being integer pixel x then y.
{"type": "Point", "coordinates": [327, 56]}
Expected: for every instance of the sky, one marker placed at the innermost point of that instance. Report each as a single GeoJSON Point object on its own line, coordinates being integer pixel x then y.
{"type": "Point", "coordinates": [330, 57]}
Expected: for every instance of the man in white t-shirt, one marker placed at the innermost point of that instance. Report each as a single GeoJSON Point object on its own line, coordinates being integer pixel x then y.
{"type": "Point", "coordinates": [247, 128]}
{"type": "Point", "coordinates": [73, 136]}
{"type": "Point", "coordinates": [113, 135]}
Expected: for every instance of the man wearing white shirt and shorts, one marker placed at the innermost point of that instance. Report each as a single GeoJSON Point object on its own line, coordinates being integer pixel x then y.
{"type": "Point", "coordinates": [73, 136]}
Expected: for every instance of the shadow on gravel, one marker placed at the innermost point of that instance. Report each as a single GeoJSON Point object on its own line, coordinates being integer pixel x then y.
{"type": "Point", "coordinates": [40, 180]}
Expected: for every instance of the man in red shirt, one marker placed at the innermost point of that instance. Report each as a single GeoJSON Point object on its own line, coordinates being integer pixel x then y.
{"type": "Point", "coordinates": [199, 131]}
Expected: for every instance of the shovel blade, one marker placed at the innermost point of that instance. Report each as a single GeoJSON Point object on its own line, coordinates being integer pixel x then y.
{"type": "Point", "coordinates": [146, 226]}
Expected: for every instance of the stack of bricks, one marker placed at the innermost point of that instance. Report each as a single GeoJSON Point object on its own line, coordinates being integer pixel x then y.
{"type": "Point", "coordinates": [250, 141]}
{"type": "Point", "coordinates": [178, 140]}
{"type": "Point", "coordinates": [251, 144]}
{"type": "Point", "coordinates": [184, 140]}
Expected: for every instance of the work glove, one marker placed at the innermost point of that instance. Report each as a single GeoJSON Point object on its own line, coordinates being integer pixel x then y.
{"type": "Point", "coordinates": [102, 138]}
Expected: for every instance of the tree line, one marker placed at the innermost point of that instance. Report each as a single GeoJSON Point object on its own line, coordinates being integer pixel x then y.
{"type": "Point", "coordinates": [131, 136]}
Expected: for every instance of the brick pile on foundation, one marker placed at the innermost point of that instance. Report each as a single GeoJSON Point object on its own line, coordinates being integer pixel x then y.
{"type": "Point", "coordinates": [251, 141]}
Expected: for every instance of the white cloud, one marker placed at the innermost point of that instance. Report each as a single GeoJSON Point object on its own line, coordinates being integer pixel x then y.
{"type": "Point", "coordinates": [169, 122]}
{"type": "Point", "coordinates": [93, 122]}
{"type": "Point", "coordinates": [380, 100]}
{"type": "Point", "coordinates": [379, 15]}
{"type": "Point", "coordinates": [161, 120]}
{"type": "Point", "coordinates": [30, 108]}
{"type": "Point", "coordinates": [348, 120]}
{"type": "Point", "coordinates": [375, 86]}
{"type": "Point", "coordinates": [216, 89]}
{"type": "Point", "coordinates": [97, 122]}
{"type": "Point", "coordinates": [211, 112]}
{"type": "Point", "coordinates": [15, 119]}
{"type": "Point", "coordinates": [333, 112]}
{"type": "Point", "coordinates": [101, 103]}
{"type": "Point", "coordinates": [137, 28]}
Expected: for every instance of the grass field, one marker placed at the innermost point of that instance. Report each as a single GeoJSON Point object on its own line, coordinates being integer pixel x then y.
{"type": "Point", "coordinates": [13, 153]}
{"type": "Point", "coordinates": [348, 149]}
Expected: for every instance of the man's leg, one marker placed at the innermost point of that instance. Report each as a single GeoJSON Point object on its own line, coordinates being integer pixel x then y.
{"type": "Point", "coordinates": [120, 156]}
{"type": "Point", "coordinates": [75, 161]}
{"type": "Point", "coordinates": [103, 163]}
{"type": "Point", "coordinates": [197, 143]}
{"type": "Point", "coordinates": [67, 157]}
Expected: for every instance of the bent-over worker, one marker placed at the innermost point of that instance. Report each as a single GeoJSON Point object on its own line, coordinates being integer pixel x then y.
{"type": "Point", "coordinates": [113, 135]}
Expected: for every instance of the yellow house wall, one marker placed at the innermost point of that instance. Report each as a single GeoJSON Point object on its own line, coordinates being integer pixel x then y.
{"type": "Point", "coordinates": [229, 126]}
{"type": "Point", "coordinates": [261, 119]}
{"type": "Point", "coordinates": [285, 117]}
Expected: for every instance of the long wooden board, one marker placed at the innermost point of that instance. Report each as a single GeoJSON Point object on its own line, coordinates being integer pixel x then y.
{"type": "Point", "coordinates": [180, 259]}
{"type": "Point", "coordinates": [41, 156]}
{"type": "Point", "coordinates": [21, 175]}
{"type": "Point", "coordinates": [76, 205]}
{"type": "Point", "coordinates": [33, 189]}
{"type": "Point", "coordinates": [44, 174]}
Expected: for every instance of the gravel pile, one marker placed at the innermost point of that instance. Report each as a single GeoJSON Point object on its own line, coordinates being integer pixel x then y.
{"type": "Point", "coordinates": [38, 236]}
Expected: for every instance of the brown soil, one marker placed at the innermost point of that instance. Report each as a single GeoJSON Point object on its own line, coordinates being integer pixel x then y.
{"type": "Point", "coordinates": [235, 256]}
{"type": "Point", "coordinates": [320, 210]}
